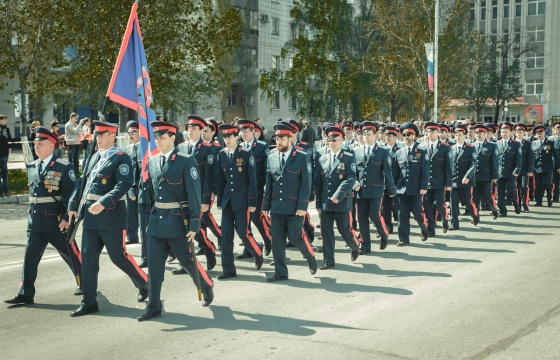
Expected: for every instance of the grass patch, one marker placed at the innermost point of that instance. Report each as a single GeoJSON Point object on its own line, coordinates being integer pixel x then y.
{"type": "Point", "coordinates": [17, 182]}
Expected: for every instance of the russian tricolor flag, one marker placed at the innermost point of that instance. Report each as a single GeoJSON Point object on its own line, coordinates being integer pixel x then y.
{"type": "Point", "coordinates": [430, 57]}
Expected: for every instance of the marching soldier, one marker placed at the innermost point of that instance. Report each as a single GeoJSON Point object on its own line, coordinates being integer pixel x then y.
{"type": "Point", "coordinates": [348, 135]}
{"type": "Point", "coordinates": [509, 167]}
{"type": "Point", "coordinates": [411, 171]}
{"type": "Point", "coordinates": [527, 167]}
{"type": "Point", "coordinates": [175, 216]}
{"type": "Point", "coordinates": [103, 210]}
{"type": "Point", "coordinates": [464, 171]}
{"type": "Point", "coordinates": [547, 161]}
{"type": "Point", "coordinates": [237, 198]}
{"type": "Point", "coordinates": [132, 195]}
{"type": "Point", "coordinates": [358, 138]}
{"type": "Point", "coordinates": [389, 209]}
{"type": "Point", "coordinates": [374, 175]}
{"type": "Point", "coordinates": [335, 180]}
{"type": "Point", "coordinates": [204, 156]}
{"type": "Point", "coordinates": [288, 185]}
{"type": "Point", "coordinates": [486, 170]}
{"type": "Point", "coordinates": [444, 131]}
{"type": "Point", "coordinates": [51, 182]}
{"type": "Point", "coordinates": [491, 132]}
{"type": "Point", "coordinates": [555, 176]}
{"type": "Point", "coordinates": [208, 219]}
{"type": "Point", "coordinates": [441, 178]}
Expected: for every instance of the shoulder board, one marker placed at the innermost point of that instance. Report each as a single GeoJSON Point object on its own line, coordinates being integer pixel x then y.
{"type": "Point", "coordinates": [204, 143]}
{"type": "Point", "coordinates": [298, 147]}
{"type": "Point", "coordinates": [347, 153]}
{"type": "Point", "coordinates": [470, 145]}
{"type": "Point", "coordinates": [301, 151]}
{"type": "Point", "coordinates": [513, 140]}
{"type": "Point", "coordinates": [262, 143]}
{"type": "Point", "coordinates": [273, 151]}
{"type": "Point", "coordinates": [62, 161]}
{"type": "Point", "coordinates": [246, 149]}
{"type": "Point", "coordinates": [216, 144]}
{"type": "Point", "coordinates": [183, 154]}
{"type": "Point", "coordinates": [119, 152]}
{"type": "Point", "coordinates": [304, 143]}
{"type": "Point", "coordinates": [445, 143]}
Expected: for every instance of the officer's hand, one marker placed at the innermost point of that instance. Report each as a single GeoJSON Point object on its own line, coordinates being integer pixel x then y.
{"type": "Point", "coordinates": [212, 197]}
{"type": "Point", "coordinates": [465, 181]}
{"type": "Point", "coordinates": [252, 209]}
{"type": "Point", "coordinates": [72, 215]}
{"type": "Point", "coordinates": [335, 200]}
{"type": "Point", "coordinates": [204, 207]}
{"type": "Point", "coordinates": [190, 236]}
{"type": "Point", "coordinates": [265, 213]}
{"type": "Point", "coordinates": [301, 213]}
{"type": "Point", "coordinates": [530, 174]}
{"type": "Point", "coordinates": [63, 225]}
{"type": "Point", "coordinates": [133, 198]}
{"type": "Point", "coordinates": [423, 192]}
{"type": "Point", "coordinates": [515, 175]}
{"type": "Point", "coordinates": [96, 208]}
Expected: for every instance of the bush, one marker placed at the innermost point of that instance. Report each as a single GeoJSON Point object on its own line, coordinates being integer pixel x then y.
{"type": "Point", "coordinates": [17, 180]}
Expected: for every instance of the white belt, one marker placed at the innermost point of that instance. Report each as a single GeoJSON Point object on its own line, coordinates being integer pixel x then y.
{"type": "Point", "coordinates": [94, 197]}
{"type": "Point", "coordinates": [171, 205]}
{"type": "Point", "coordinates": [44, 199]}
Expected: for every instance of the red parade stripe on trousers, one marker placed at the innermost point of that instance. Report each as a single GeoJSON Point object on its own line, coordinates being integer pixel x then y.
{"type": "Point", "coordinates": [306, 241]}
{"type": "Point", "coordinates": [381, 219]}
{"type": "Point", "coordinates": [352, 230]}
{"type": "Point", "coordinates": [475, 211]}
{"type": "Point", "coordinates": [251, 238]}
{"type": "Point", "coordinates": [265, 226]}
{"type": "Point", "coordinates": [204, 275]}
{"type": "Point", "coordinates": [206, 241]}
{"type": "Point", "coordinates": [446, 212]}
{"type": "Point", "coordinates": [131, 259]}
{"type": "Point", "coordinates": [76, 252]}
{"type": "Point", "coordinates": [214, 223]}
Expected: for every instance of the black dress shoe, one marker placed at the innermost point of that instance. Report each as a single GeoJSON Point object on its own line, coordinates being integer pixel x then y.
{"type": "Point", "coordinates": [354, 255]}
{"type": "Point", "coordinates": [495, 215]}
{"type": "Point", "coordinates": [79, 291]}
{"type": "Point", "coordinates": [143, 294]}
{"type": "Point", "coordinates": [518, 210]}
{"type": "Point", "coordinates": [259, 261]}
{"type": "Point", "coordinates": [267, 248]}
{"type": "Point", "coordinates": [20, 300]}
{"type": "Point", "coordinates": [210, 261]}
{"type": "Point", "coordinates": [365, 251]}
{"type": "Point", "coordinates": [525, 209]}
{"type": "Point", "coordinates": [245, 254]}
{"type": "Point", "coordinates": [424, 236]}
{"type": "Point", "coordinates": [326, 267]}
{"type": "Point", "coordinates": [445, 226]}
{"type": "Point", "coordinates": [84, 310]}
{"type": "Point", "coordinates": [549, 203]}
{"type": "Point", "coordinates": [313, 266]}
{"type": "Point", "coordinates": [179, 271]}
{"type": "Point", "coordinates": [277, 278]}
{"type": "Point", "coordinates": [384, 242]}
{"type": "Point", "coordinates": [226, 276]}
{"type": "Point", "coordinates": [453, 228]}
{"type": "Point", "coordinates": [289, 245]}
{"type": "Point", "coordinates": [402, 243]}
{"type": "Point", "coordinates": [149, 315]}
{"type": "Point", "coordinates": [208, 297]}
{"type": "Point", "coordinates": [171, 258]}
{"type": "Point", "coordinates": [475, 220]}
{"type": "Point", "coordinates": [538, 204]}
{"type": "Point", "coordinates": [143, 264]}
{"type": "Point", "coordinates": [502, 215]}
{"type": "Point", "coordinates": [129, 242]}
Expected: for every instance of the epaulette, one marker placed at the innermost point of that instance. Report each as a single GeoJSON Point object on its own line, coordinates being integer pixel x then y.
{"type": "Point", "coordinates": [62, 161]}
{"type": "Point", "coordinates": [304, 142]}
{"type": "Point", "coordinates": [298, 147]}
{"type": "Point", "coordinates": [204, 143]}
{"type": "Point", "coordinates": [513, 140]}
{"type": "Point", "coordinates": [444, 143]}
{"type": "Point", "coordinates": [273, 151]}
{"type": "Point", "coordinates": [245, 149]}
{"type": "Point", "coordinates": [119, 152]}
{"type": "Point", "coordinates": [301, 151]}
{"type": "Point", "coordinates": [262, 142]}
{"type": "Point", "coordinates": [469, 145]}
{"type": "Point", "coordinates": [347, 153]}
{"type": "Point", "coordinates": [180, 153]}
{"type": "Point", "coordinates": [216, 144]}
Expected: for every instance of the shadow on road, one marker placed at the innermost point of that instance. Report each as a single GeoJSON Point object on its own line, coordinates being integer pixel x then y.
{"type": "Point", "coordinates": [408, 257]}
{"type": "Point", "coordinates": [446, 247]}
{"type": "Point", "coordinates": [495, 241]}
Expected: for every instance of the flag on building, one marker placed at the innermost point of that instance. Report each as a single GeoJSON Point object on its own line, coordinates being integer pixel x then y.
{"type": "Point", "coordinates": [430, 57]}
{"type": "Point", "coordinates": [130, 86]}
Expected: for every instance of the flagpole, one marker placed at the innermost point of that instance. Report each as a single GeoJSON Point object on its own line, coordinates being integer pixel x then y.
{"type": "Point", "coordinates": [436, 62]}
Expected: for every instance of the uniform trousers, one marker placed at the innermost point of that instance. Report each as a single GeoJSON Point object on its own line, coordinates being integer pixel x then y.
{"type": "Point", "coordinates": [143, 216]}
{"type": "Point", "coordinates": [238, 221]}
{"type": "Point", "coordinates": [343, 221]}
{"type": "Point", "coordinates": [287, 226]}
{"type": "Point", "coordinates": [370, 209]}
{"type": "Point", "coordinates": [260, 221]}
{"type": "Point", "coordinates": [483, 192]}
{"type": "Point", "coordinates": [309, 228]}
{"type": "Point", "coordinates": [132, 219]}
{"type": "Point", "coordinates": [389, 210]}
{"type": "Point", "coordinates": [408, 204]}
{"type": "Point", "coordinates": [158, 249]}
{"type": "Point", "coordinates": [523, 190]}
{"type": "Point", "coordinates": [36, 244]}
{"type": "Point", "coordinates": [543, 181]}
{"type": "Point", "coordinates": [209, 222]}
{"type": "Point", "coordinates": [555, 184]}
{"type": "Point", "coordinates": [507, 185]}
{"type": "Point", "coordinates": [434, 203]}
{"type": "Point", "coordinates": [461, 195]}
{"type": "Point", "coordinates": [93, 242]}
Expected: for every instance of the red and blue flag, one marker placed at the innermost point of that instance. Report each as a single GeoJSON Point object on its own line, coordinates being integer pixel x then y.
{"type": "Point", "coordinates": [430, 57]}
{"type": "Point", "coordinates": [130, 86]}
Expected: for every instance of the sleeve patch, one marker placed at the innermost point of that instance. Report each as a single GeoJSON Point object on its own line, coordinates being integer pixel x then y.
{"type": "Point", "coordinates": [72, 175]}
{"type": "Point", "coordinates": [210, 159]}
{"type": "Point", "coordinates": [353, 166]}
{"type": "Point", "coordinates": [309, 168]}
{"type": "Point", "coordinates": [252, 161]}
{"type": "Point", "coordinates": [194, 173]}
{"type": "Point", "coordinates": [124, 169]}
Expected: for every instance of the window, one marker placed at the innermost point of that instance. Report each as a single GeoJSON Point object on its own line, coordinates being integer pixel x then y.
{"type": "Point", "coordinates": [535, 34]}
{"type": "Point", "coordinates": [275, 62]}
{"type": "Point", "coordinates": [517, 8]}
{"type": "Point", "coordinates": [253, 22]}
{"type": "Point", "coordinates": [494, 9]}
{"type": "Point", "coordinates": [290, 63]}
{"type": "Point", "coordinates": [534, 87]}
{"type": "Point", "coordinates": [293, 102]}
{"type": "Point", "coordinates": [517, 36]}
{"type": "Point", "coordinates": [293, 31]}
{"type": "Point", "coordinates": [535, 61]}
{"type": "Point", "coordinates": [276, 104]}
{"type": "Point", "coordinates": [536, 7]}
{"type": "Point", "coordinates": [472, 12]}
{"type": "Point", "coordinates": [291, 2]}
{"type": "Point", "coordinates": [482, 10]}
{"type": "Point", "coordinates": [232, 97]}
{"type": "Point", "coordinates": [254, 58]}
{"type": "Point", "coordinates": [275, 26]}
{"type": "Point", "coordinates": [506, 9]}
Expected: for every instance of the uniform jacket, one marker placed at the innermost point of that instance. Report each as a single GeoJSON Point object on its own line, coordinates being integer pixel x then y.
{"type": "Point", "coordinates": [111, 182]}
{"type": "Point", "coordinates": [464, 164]}
{"type": "Point", "coordinates": [204, 155]}
{"type": "Point", "coordinates": [133, 151]}
{"type": "Point", "coordinates": [336, 181]}
{"type": "Point", "coordinates": [287, 189]}
{"type": "Point", "coordinates": [260, 152]}
{"type": "Point", "coordinates": [374, 172]}
{"type": "Point", "coordinates": [57, 180]}
{"type": "Point", "coordinates": [486, 161]}
{"type": "Point", "coordinates": [411, 172]}
{"type": "Point", "coordinates": [178, 181]}
{"type": "Point", "coordinates": [509, 158]}
{"type": "Point", "coordinates": [546, 156]}
{"type": "Point", "coordinates": [216, 147]}
{"type": "Point", "coordinates": [527, 157]}
{"type": "Point", "coordinates": [236, 179]}
{"type": "Point", "coordinates": [441, 173]}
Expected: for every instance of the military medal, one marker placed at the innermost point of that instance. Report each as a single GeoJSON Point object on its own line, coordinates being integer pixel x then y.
{"type": "Point", "coordinates": [340, 176]}
{"type": "Point", "coordinates": [240, 169]}
{"type": "Point", "coordinates": [104, 181]}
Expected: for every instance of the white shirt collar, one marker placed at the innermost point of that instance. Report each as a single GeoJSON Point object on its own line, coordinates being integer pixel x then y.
{"type": "Point", "coordinates": [46, 161]}
{"type": "Point", "coordinates": [167, 154]}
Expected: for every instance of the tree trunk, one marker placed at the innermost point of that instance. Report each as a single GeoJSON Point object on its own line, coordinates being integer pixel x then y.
{"type": "Point", "coordinates": [23, 106]}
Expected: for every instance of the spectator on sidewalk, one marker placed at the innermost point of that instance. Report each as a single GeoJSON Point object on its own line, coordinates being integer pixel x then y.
{"type": "Point", "coordinates": [34, 124]}
{"type": "Point", "coordinates": [59, 146]}
{"type": "Point", "coordinates": [72, 130]}
{"type": "Point", "coordinates": [5, 138]}
{"type": "Point", "coordinates": [85, 136]}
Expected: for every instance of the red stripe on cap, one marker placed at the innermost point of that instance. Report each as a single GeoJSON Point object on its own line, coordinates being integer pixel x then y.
{"type": "Point", "coordinates": [43, 136]}
{"type": "Point", "coordinates": [284, 132]}
{"type": "Point", "coordinates": [432, 127]}
{"type": "Point", "coordinates": [230, 131]}
{"type": "Point", "coordinates": [198, 122]}
{"type": "Point", "coordinates": [103, 128]}
{"type": "Point", "coordinates": [369, 127]}
{"type": "Point", "coordinates": [169, 128]}
{"type": "Point", "coordinates": [391, 131]}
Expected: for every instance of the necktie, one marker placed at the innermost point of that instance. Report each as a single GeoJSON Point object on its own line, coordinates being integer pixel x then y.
{"type": "Point", "coordinates": [162, 161]}
{"type": "Point", "coordinates": [230, 156]}
{"type": "Point", "coordinates": [40, 167]}
{"type": "Point", "coordinates": [432, 149]}
{"type": "Point", "coordinates": [283, 161]}
{"type": "Point", "coordinates": [368, 152]}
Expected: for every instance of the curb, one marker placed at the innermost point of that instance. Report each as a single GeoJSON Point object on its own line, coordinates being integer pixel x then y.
{"type": "Point", "coordinates": [15, 199]}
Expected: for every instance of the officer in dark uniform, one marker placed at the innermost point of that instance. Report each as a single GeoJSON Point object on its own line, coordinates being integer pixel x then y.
{"type": "Point", "coordinates": [132, 195]}
{"type": "Point", "coordinates": [555, 176]}
{"type": "Point", "coordinates": [441, 178]}
{"type": "Point", "coordinates": [288, 185]}
{"type": "Point", "coordinates": [444, 131]}
{"type": "Point", "coordinates": [486, 170]}
{"type": "Point", "coordinates": [175, 216]}
{"type": "Point", "coordinates": [375, 176]}
{"type": "Point", "coordinates": [203, 152]}
{"type": "Point", "coordinates": [464, 170]}
{"type": "Point", "coordinates": [491, 134]}
{"type": "Point", "coordinates": [51, 182]}
{"type": "Point", "coordinates": [259, 151]}
{"type": "Point", "coordinates": [237, 198]}
{"type": "Point", "coordinates": [411, 171]}
{"type": "Point", "coordinates": [527, 167]}
{"type": "Point", "coordinates": [208, 219]}
{"type": "Point", "coordinates": [547, 161]}
{"type": "Point", "coordinates": [389, 208]}
{"type": "Point", "coordinates": [103, 210]}
{"type": "Point", "coordinates": [509, 167]}
{"type": "Point", "coordinates": [335, 181]}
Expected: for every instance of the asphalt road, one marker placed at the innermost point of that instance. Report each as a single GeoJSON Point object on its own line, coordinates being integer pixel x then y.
{"type": "Point", "coordinates": [490, 292]}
